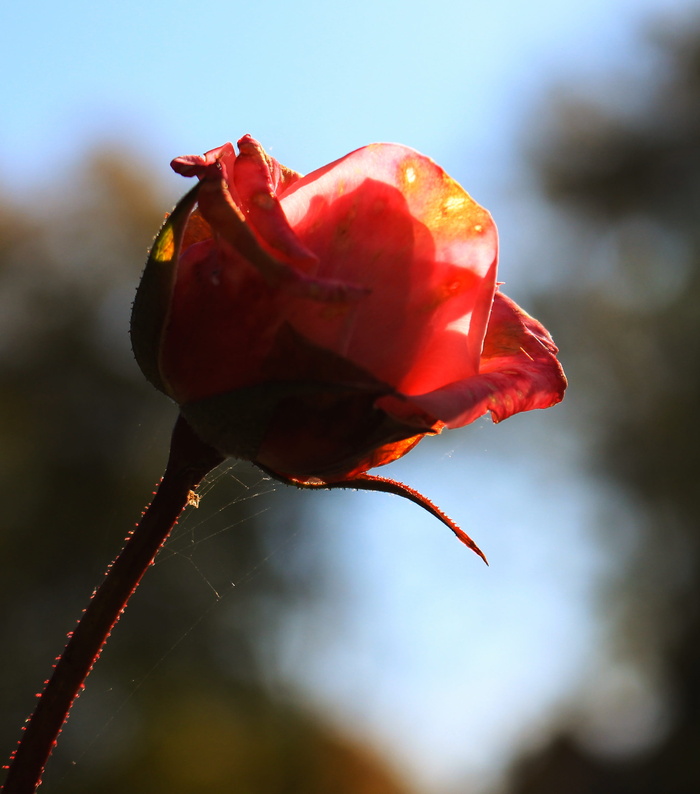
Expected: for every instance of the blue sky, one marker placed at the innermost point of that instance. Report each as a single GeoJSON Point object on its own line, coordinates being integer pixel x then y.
{"type": "Point", "coordinates": [310, 79]}
{"type": "Point", "coordinates": [484, 652]}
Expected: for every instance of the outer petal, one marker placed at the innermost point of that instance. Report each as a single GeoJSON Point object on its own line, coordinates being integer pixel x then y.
{"type": "Point", "coordinates": [389, 219]}
{"type": "Point", "coordinates": [519, 372]}
{"type": "Point", "coordinates": [222, 323]}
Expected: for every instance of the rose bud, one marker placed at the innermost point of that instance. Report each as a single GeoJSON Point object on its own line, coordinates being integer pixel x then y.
{"type": "Point", "coordinates": [322, 325]}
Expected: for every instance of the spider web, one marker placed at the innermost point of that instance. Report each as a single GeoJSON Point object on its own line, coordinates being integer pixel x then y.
{"type": "Point", "coordinates": [194, 528]}
{"type": "Point", "coordinates": [195, 545]}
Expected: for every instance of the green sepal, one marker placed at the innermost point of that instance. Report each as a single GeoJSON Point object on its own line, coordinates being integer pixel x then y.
{"type": "Point", "coordinates": [371, 482]}
{"type": "Point", "coordinates": [151, 308]}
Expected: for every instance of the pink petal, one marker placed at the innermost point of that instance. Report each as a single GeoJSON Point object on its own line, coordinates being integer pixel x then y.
{"type": "Point", "coordinates": [518, 372]}
{"type": "Point", "coordinates": [389, 219]}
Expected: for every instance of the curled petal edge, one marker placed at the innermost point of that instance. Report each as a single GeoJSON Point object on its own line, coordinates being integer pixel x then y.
{"type": "Point", "coordinates": [518, 372]}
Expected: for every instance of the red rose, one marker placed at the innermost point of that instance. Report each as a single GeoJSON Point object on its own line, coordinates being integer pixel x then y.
{"type": "Point", "coordinates": [318, 326]}
{"type": "Point", "coordinates": [322, 325]}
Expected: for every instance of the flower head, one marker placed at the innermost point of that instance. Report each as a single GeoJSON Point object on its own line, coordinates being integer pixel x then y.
{"type": "Point", "coordinates": [322, 325]}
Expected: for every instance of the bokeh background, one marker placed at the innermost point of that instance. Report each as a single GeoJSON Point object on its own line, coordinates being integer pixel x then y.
{"type": "Point", "coordinates": [296, 642]}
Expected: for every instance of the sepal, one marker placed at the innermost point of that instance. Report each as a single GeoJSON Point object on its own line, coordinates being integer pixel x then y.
{"type": "Point", "coordinates": [151, 309]}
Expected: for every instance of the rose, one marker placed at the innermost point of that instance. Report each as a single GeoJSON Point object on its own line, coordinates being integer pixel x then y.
{"type": "Point", "coordinates": [318, 326]}
{"type": "Point", "coordinates": [323, 325]}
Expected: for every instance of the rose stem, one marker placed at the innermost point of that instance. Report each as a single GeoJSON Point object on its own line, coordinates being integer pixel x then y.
{"type": "Point", "coordinates": [189, 461]}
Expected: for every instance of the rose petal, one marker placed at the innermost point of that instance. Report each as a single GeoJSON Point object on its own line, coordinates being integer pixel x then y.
{"type": "Point", "coordinates": [255, 186]}
{"type": "Point", "coordinates": [222, 210]}
{"type": "Point", "coordinates": [389, 219]}
{"type": "Point", "coordinates": [211, 163]}
{"type": "Point", "coordinates": [223, 321]}
{"type": "Point", "coordinates": [519, 372]}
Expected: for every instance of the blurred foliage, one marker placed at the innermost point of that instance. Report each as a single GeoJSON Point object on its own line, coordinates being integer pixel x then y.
{"type": "Point", "coordinates": [183, 699]}
{"type": "Point", "coordinates": [622, 172]}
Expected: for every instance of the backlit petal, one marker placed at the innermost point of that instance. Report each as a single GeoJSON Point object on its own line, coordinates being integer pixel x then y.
{"type": "Point", "coordinates": [518, 372]}
{"type": "Point", "coordinates": [389, 219]}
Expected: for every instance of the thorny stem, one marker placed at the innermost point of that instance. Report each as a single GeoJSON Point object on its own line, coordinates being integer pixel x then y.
{"type": "Point", "coordinates": [190, 460]}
